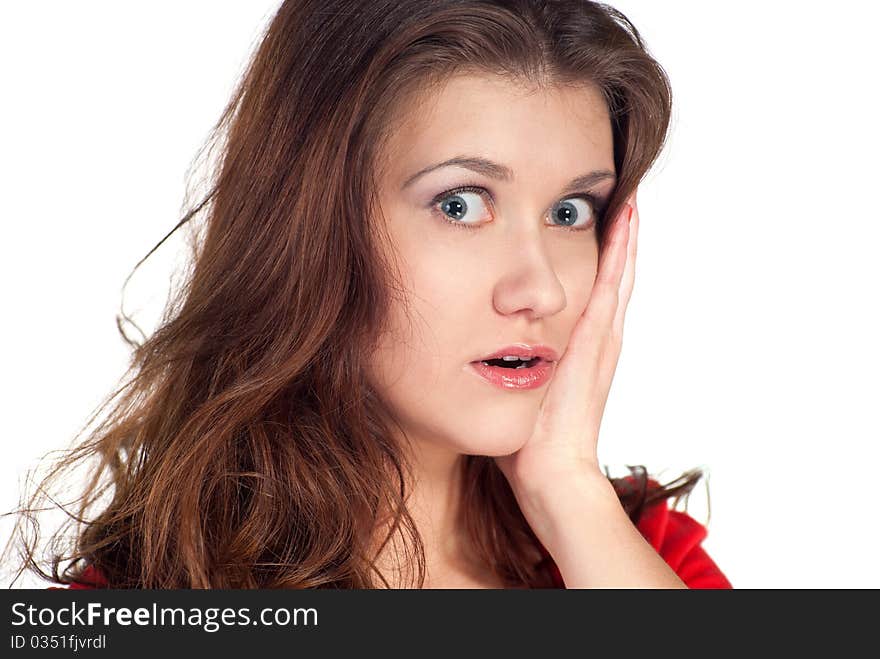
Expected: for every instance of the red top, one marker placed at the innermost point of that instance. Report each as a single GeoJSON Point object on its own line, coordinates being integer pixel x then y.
{"type": "Point", "coordinates": [675, 535]}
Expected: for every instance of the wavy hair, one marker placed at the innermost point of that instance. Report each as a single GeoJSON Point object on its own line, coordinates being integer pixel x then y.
{"type": "Point", "coordinates": [244, 447]}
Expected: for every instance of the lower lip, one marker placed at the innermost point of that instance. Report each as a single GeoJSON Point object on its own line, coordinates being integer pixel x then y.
{"type": "Point", "coordinates": [515, 378]}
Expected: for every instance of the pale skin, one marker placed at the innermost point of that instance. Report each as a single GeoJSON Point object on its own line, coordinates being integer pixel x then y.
{"type": "Point", "coordinates": [515, 276]}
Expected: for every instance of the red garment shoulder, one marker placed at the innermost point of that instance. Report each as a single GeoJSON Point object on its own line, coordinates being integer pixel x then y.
{"type": "Point", "coordinates": [90, 579]}
{"type": "Point", "coordinates": [676, 537]}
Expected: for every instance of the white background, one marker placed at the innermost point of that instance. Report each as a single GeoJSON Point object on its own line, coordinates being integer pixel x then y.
{"type": "Point", "coordinates": [751, 341]}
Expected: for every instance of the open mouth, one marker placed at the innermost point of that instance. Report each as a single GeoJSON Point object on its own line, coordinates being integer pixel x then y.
{"type": "Point", "coordinates": [514, 364]}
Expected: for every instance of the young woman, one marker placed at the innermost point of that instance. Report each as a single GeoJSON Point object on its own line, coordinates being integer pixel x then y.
{"type": "Point", "coordinates": [389, 363]}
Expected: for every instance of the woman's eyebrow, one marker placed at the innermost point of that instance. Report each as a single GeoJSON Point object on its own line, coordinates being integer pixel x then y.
{"type": "Point", "coordinates": [503, 173]}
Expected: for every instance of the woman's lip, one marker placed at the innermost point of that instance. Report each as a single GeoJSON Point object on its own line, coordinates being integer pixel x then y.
{"type": "Point", "coordinates": [514, 378]}
{"type": "Point", "coordinates": [524, 350]}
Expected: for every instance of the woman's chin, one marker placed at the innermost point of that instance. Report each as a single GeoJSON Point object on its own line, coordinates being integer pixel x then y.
{"type": "Point", "coordinates": [498, 444]}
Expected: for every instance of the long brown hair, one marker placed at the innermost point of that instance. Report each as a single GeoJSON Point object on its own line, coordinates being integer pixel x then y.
{"type": "Point", "coordinates": [244, 448]}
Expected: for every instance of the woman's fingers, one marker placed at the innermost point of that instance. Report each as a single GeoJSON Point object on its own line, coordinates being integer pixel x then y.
{"type": "Point", "coordinates": [629, 274]}
{"type": "Point", "coordinates": [597, 324]}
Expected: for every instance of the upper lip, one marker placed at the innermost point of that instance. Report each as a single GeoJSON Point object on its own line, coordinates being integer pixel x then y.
{"type": "Point", "coordinates": [523, 351]}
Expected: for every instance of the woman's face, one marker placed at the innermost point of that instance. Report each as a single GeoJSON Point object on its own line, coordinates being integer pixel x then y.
{"type": "Point", "coordinates": [511, 271]}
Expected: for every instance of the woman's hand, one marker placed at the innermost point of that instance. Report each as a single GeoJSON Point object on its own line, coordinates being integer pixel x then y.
{"type": "Point", "coordinates": [563, 444]}
{"type": "Point", "coordinates": [563, 494]}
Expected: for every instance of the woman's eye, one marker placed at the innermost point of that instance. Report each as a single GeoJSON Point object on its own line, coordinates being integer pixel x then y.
{"type": "Point", "coordinates": [574, 212]}
{"type": "Point", "coordinates": [465, 207]}
{"type": "Point", "coordinates": [462, 207]}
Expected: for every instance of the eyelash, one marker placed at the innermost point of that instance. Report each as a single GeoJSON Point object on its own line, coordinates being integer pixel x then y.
{"type": "Point", "coordinates": [594, 201]}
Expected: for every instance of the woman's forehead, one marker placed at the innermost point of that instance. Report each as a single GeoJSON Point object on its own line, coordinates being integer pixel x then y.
{"type": "Point", "coordinates": [505, 122]}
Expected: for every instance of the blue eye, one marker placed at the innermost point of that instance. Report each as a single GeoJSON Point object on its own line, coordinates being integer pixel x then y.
{"type": "Point", "coordinates": [454, 205]}
{"type": "Point", "coordinates": [570, 214]}
{"type": "Point", "coordinates": [576, 213]}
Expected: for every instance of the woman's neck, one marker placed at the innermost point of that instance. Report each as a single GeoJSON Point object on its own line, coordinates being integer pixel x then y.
{"type": "Point", "coordinates": [435, 505]}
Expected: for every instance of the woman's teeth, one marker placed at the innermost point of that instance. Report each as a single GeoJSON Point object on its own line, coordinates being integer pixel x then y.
{"type": "Point", "coordinates": [508, 360]}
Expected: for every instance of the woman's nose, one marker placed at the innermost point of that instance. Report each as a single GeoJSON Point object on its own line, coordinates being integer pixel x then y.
{"type": "Point", "coordinates": [528, 281]}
